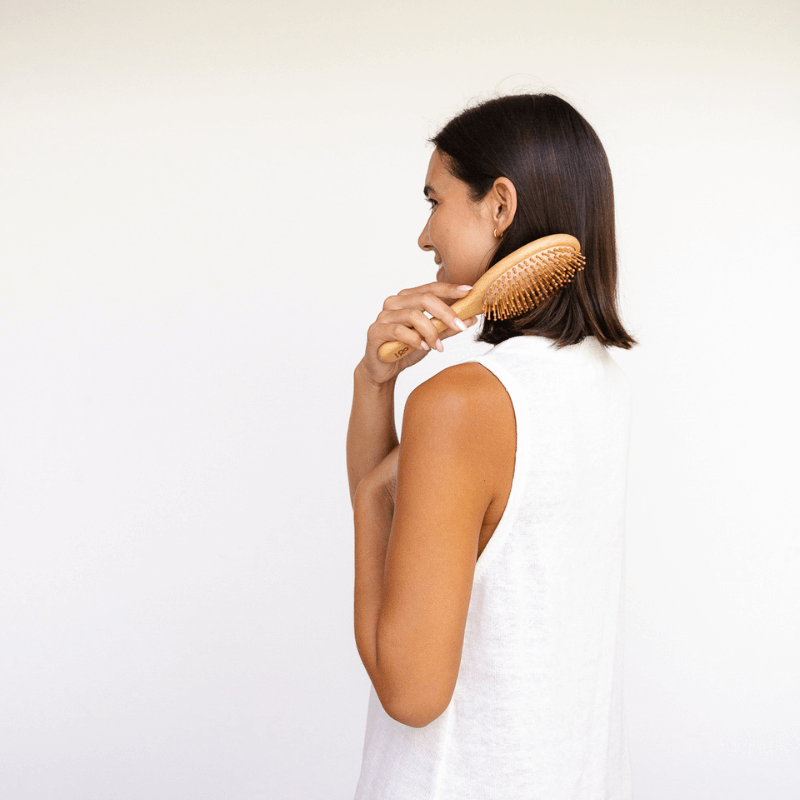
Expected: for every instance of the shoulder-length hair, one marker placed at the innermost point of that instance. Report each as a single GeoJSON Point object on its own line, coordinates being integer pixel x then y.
{"type": "Point", "coordinates": [560, 171]}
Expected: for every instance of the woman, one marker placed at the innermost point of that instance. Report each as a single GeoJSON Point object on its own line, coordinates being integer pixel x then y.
{"type": "Point", "coordinates": [489, 545]}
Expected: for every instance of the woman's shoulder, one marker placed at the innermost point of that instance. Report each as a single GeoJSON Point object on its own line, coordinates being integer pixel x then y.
{"type": "Point", "coordinates": [463, 386]}
{"type": "Point", "coordinates": [465, 401]}
{"type": "Point", "coordinates": [464, 415]}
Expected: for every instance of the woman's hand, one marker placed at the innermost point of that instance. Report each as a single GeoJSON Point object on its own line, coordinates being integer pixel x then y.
{"type": "Point", "coordinates": [403, 320]}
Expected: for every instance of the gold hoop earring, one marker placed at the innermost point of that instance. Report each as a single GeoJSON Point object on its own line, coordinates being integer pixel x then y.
{"type": "Point", "coordinates": [496, 236]}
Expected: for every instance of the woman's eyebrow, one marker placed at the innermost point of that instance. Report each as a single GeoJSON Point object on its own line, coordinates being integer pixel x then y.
{"type": "Point", "coordinates": [427, 190]}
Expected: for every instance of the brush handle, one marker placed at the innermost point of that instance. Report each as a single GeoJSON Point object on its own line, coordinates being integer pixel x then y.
{"type": "Point", "coordinates": [468, 306]}
{"type": "Point", "coordinates": [472, 304]}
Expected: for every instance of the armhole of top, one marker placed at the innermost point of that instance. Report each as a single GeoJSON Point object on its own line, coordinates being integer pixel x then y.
{"type": "Point", "coordinates": [517, 398]}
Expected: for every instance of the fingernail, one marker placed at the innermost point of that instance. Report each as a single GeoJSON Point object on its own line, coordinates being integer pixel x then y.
{"type": "Point", "coordinates": [464, 288]}
{"type": "Point", "coordinates": [459, 323]}
{"type": "Point", "coordinates": [425, 346]}
{"type": "Point", "coordinates": [439, 346]}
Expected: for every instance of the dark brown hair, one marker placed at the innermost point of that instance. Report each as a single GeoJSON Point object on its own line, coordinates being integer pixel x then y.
{"type": "Point", "coordinates": [560, 171]}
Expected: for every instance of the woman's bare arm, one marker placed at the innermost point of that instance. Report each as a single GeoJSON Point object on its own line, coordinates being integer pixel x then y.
{"type": "Point", "coordinates": [418, 517]}
{"type": "Point", "coordinates": [371, 433]}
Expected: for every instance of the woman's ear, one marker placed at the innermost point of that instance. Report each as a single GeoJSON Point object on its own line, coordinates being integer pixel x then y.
{"type": "Point", "coordinates": [502, 199]}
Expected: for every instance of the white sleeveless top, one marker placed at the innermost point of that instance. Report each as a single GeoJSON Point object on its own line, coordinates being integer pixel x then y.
{"type": "Point", "coordinates": [537, 709]}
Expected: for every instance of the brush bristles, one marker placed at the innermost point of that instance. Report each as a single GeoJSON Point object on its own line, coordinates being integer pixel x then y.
{"type": "Point", "coordinates": [527, 284]}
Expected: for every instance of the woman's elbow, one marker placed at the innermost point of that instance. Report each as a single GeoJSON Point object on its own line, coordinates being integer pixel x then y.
{"type": "Point", "coordinates": [414, 712]}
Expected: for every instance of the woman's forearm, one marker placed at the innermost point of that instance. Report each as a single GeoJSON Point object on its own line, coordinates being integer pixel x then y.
{"type": "Point", "coordinates": [372, 514]}
{"type": "Point", "coordinates": [371, 434]}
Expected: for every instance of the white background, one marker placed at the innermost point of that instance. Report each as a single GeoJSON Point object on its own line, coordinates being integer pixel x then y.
{"type": "Point", "coordinates": [203, 208]}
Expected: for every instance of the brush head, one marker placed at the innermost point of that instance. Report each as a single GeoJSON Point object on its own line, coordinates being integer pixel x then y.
{"type": "Point", "coordinates": [531, 280]}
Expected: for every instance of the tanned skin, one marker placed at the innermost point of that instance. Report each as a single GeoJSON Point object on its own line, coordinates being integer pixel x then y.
{"type": "Point", "coordinates": [425, 508]}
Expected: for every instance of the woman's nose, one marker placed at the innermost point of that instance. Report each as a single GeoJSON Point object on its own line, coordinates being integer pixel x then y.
{"type": "Point", "coordinates": [424, 241]}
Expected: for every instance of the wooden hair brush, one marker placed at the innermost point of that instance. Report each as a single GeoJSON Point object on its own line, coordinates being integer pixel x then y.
{"type": "Point", "coordinates": [515, 284]}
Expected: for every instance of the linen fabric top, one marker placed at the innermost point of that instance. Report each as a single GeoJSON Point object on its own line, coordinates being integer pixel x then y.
{"type": "Point", "coordinates": [537, 710]}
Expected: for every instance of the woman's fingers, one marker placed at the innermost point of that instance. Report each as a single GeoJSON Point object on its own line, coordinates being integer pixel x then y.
{"type": "Point", "coordinates": [401, 331]}
{"type": "Point", "coordinates": [405, 319]}
{"type": "Point", "coordinates": [411, 326]}
{"type": "Point", "coordinates": [439, 288]}
{"type": "Point", "coordinates": [408, 325]}
{"type": "Point", "coordinates": [431, 298]}
{"type": "Point", "coordinates": [448, 332]}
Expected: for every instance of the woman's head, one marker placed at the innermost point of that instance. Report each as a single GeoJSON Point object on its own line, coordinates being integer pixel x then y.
{"type": "Point", "coordinates": [462, 231]}
{"type": "Point", "coordinates": [534, 163]}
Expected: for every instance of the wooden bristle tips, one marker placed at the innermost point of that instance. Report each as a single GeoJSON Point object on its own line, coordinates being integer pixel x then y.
{"type": "Point", "coordinates": [527, 284]}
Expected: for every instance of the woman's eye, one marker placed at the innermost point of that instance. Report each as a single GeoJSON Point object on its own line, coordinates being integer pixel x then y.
{"type": "Point", "coordinates": [432, 202]}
